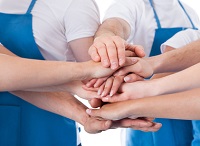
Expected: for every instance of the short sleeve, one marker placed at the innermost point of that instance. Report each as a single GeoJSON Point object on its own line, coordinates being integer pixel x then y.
{"type": "Point", "coordinates": [128, 10]}
{"type": "Point", "coordinates": [81, 19]}
{"type": "Point", "coordinates": [182, 38]}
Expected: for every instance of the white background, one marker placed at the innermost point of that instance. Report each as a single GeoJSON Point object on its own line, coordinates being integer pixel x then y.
{"type": "Point", "coordinates": [112, 137]}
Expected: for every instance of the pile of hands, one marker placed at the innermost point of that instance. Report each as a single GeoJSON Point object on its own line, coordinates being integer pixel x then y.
{"type": "Point", "coordinates": [127, 82]}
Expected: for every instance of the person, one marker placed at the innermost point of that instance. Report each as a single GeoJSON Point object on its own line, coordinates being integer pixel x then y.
{"type": "Point", "coordinates": [37, 30]}
{"type": "Point", "coordinates": [144, 22]}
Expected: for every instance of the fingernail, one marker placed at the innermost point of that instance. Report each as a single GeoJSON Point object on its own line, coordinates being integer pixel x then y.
{"type": "Point", "coordinates": [105, 99]}
{"type": "Point", "coordinates": [134, 60]}
{"type": "Point", "coordinates": [105, 63]}
{"type": "Point", "coordinates": [121, 61]}
{"type": "Point", "coordinates": [111, 93]}
{"type": "Point", "coordinates": [88, 85]}
{"type": "Point", "coordinates": [103, 94]}
{"type": "Point", "coordinates": [107, 123]}
{"type": "Point", "coordinates": [99, 92]}
{"type": "Point", "coordinates": [95, 86]}
{"type": "Point", "coordinates": [114, 65]}
{"type": "Point", "coordinates": [96, 58]}
{"type": "Point", "coordinates": [88, 111]}
{"type": "Point", "coordinates": [126, 79]}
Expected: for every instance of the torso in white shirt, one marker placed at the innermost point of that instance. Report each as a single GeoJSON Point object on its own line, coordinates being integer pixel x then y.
{"type": "Point", "coordinates": [139, 14]}
{"type": "Point", "coordinates": [56, 23]}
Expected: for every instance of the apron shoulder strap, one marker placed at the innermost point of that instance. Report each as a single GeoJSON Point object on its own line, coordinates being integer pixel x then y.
{"type": "Point", "coordinates": [31, 7]}
{"type": "Point", "coordinates": [155, 14]}
{"type": "Point", "coordinates": [187, 14]}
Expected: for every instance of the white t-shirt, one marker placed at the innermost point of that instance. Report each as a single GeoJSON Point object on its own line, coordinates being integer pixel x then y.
{"type": "Point", "coordinates": [181, 39]}
{"type": "Point", "coordinates": [57, 22]}
{"type": "Point", "coordinates": [139, 15]}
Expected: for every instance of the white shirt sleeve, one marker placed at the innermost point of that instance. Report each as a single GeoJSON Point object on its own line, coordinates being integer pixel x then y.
{"type": "Point", "coordinates": [81, 19]}
{"type": "Point", "coordinates": [126, 10]}
{"type": "Point", "coordinates": [182, 38]}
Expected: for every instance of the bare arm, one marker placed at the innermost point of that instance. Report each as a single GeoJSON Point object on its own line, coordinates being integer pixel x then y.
{"type": "Point", "coordinates": [176, 60]}
{"type": "Point", "coordinates": [114, 27]}
{"type": "Point", "coordinates": [36, 73]}
{"type": "Point", "coordinates": [109, 45]}
{"type": "Point", "coordinates": [183, 105]}
{"type": "Point", "coordinates": [65, 105]}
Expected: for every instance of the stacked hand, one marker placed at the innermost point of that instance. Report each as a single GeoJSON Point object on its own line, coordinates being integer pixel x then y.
{"type": "Point", "coordinates": [120, 86]}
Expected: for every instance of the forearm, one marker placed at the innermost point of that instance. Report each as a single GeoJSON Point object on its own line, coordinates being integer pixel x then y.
{"type": "Point", "coordinates": [184, 80]}
{"type": "Point", "coordinates": [61, 103]}
{"type": "Point", "coordinates": [114, 27]}
{"type": "Point", "coordinates": [183, 105]}
{"type": "Point", "coordinates": [176, 60]}
{"type": "Point", "coordinates": [19, 73]}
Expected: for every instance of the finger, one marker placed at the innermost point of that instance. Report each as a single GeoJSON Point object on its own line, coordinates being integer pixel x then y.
{"type": "Point", "coordinates": [112, 54]}
{"type": "Point", "coordinates": [133, 78]}
{"type": "Point", "coordinates": [101, 88]}
{"type": "Point", "coordinates": [129, 69]}
{"type": "Point", "coordinates": [102, 51]}
{"type": "Point", "coordinates": [149, 118]}
{"type": "Point", "coordinates": [107, 87]}
{"type": "Point", "coordinates": [153, 128]}
{"type": "Point", "coordinates": [97, 126]}
{"type": "Point", "coordinates": [125, 123]}
{"type": "Point", "coordinates": [137, 49]}
{"type": "Point", "coordinates": [89, 89]}
{"type": "Point", "coordinates": [115, 98]}
{"type": "Point", "coordinates": [94, 53]}
{"type": "Point", "coordinates": [93, 112]}
{"type": "Point", "coordinates": [91, 83]}
{"type": "Point", "coordinates": [129, 53]}
{"type": "Point", "coordinates": [118, 80]}
{"type": "Point", "coordinates": [120, 45]}
{"type": "Point", "coordinates": [130, 61]}
{"type": "Point", "coordinates": [99, 82]}
{"type": "Point", "coordinates": [95, 103]}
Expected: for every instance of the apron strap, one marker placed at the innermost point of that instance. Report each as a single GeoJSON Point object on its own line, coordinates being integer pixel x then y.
{"type": "Point", "coordinates": [155, 14]}
{"type": "Point", "coordinates": [187, 15]}
{"type": "Point", "coordinates": [31, 7]}
{"type": "Point", "coordinates": [158, 21]}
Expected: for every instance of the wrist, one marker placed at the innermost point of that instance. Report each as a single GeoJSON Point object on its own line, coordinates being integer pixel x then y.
{"type": "Point", "coordinates": [104, 34]}
{"type": "Point", "coordinates": [149, 91]}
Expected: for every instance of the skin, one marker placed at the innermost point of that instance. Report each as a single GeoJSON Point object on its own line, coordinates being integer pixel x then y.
{"type": "Point", "coordinates": [172, 105]}
{"type": "Point", "coordinates": [109, 45]}
{"type": "Point", "coordinates": [52, 73]}
{"type": "Point", "coordinates": [164, 106]}
{"type": "Point", "coordinates": [59, 102]}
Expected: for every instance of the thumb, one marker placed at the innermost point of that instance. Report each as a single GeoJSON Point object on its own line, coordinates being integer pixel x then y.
{"type": "Point", "coordinates": [130, 61]}
{"type": "Point", "coordinates": [137, 49]}
{"type": "Point", "coordinates": [114, 98]}
{"type": "Point", "coordinates": [93, 112]}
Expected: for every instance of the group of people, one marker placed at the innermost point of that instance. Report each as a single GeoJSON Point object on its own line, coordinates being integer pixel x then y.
{"type": "Point", "coordinates": [51, 51]}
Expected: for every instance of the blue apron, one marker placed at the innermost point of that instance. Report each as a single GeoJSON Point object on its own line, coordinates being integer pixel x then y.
{"type": "Point", "coordinates": [173, 132]}
{"type": "Point", "coordinates": [22, 124]}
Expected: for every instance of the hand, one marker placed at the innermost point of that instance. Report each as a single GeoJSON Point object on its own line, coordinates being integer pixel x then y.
{"type": "Point", "coordinates": [76, 88]}
{"type": "Point", "coordinates": [113, 111]}
{"type": "Point", "coordinates": [143, 124]}
{"type": "Point", "coordinates": [110, 86]}
{"type": "Point", "coordinates": [110, 50]}
{"type": "Point", "coordinates": [94, 125]}
{"type": "Point", "coordinates": [133, 90]}
{"type": "Point", "coordinates": [108, 112]}
{"type": "Point", "coordinates": [141, 69]}
{"type": "Point", "coordinates": [95, 70]}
